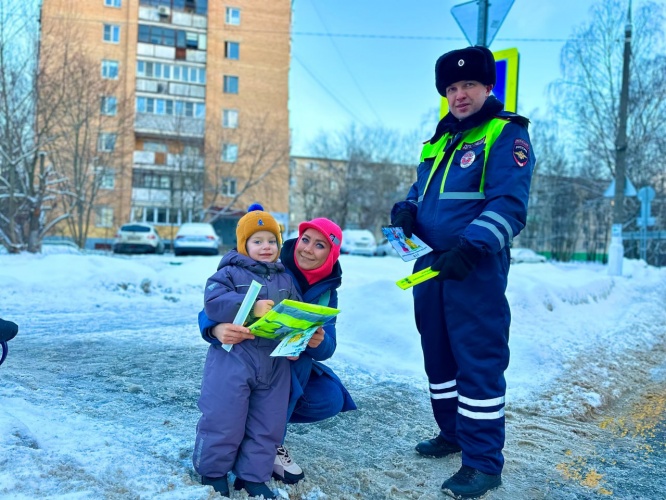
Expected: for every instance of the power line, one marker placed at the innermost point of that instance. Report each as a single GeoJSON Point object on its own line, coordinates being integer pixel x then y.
{"type": "Point", "coordinates": [358, 87]}
{"type": "Point", "coordinates": [420, 37]}
{"type": "Point", "coordinates": [331, 94]}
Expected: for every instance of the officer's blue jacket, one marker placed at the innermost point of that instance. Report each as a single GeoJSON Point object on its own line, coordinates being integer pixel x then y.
{"type": "Point", "coordinates": [481, 170]}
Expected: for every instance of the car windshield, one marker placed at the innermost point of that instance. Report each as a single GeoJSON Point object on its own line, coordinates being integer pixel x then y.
{"type": "Point", "coordinates": [135, 228]}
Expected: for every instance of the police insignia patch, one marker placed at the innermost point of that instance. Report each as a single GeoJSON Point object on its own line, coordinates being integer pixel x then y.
{"type": "Point", "coordinates": [521, 152]}
{"type": "Point", "coordinates": [467, 159]}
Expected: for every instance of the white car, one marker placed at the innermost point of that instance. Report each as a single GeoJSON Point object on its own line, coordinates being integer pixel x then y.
{"type": "Point", "coordinates": [196, 238]}
{"type": "Point", "coordinates": [358, 242]}
{"type": "Point", "coordinates": [525, 255]}
{"type": "Point", "coordinates": [138, 237]}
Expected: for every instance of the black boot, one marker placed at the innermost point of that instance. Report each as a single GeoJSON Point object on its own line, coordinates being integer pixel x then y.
{"type": "Point", "coordinates": [437, 447]}
{"type": "Point", "coordinates": [470, 483]}
{"type": "Point", "coordinates": [219, 484]}
{"type": "Point", "coordinates": [254, 489]}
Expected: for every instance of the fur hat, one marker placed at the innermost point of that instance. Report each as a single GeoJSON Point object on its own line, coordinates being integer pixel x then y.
{"type": "Point", "coordinates": [253, 221]}
{"type": "Point", "coordinates": [332, 232]}
{"type": "Point", "coordinates": [471, 63]}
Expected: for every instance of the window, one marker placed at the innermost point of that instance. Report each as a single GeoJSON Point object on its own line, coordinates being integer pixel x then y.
{"type": "Point", "coordinates": [230, 118]}
{"type": "Point", "coordinates": [110, 69]}
{"type": "Point", "coordinates": [113, 3]}
{"type": "Point", "coordinates": [109, 106]}
{"type": "Point", "coordinates": [170, 107]}
{"type": "Point", "coordinates": [230, 84]}
{"type": "Point", "coordinates": [229, 152]}
{"type": "Point", "coordinates": [106, 177]}
{"type": "Point", "coordinates": [177, 72]}
{"type": "Point", "coordinates": [106, 142]}
{"type": "Point", "coordinates": [228, 187]}
{"type": "Point", "coordinates": [233, 16]}
{"type": "Point", "coordinates": [103, 217]}
{"type": "Point", "coordinates": [111, 33]}
{"type": "Point", "coordinates": [231, 50]}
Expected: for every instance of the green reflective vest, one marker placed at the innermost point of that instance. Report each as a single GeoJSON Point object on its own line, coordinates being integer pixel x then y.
{"type": "Point", "coordinates": [487, 133]}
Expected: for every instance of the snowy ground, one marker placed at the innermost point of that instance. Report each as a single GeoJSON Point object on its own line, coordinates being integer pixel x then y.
{"type": "Point", "coordinates": [98, 394]}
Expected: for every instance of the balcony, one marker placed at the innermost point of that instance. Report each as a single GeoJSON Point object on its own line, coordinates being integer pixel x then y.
{"type": "Point", "coordinates": [169, 126]}
{"type": "Point", "coordinates": [175, 17]}
{"type": "Point", "coordinates": [180, 162]}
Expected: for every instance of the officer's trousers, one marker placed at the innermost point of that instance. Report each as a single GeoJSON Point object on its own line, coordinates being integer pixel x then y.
{"type": "Point", "coordinates": [464, 327]}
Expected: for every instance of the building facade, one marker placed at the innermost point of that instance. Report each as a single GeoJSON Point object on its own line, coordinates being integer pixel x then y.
{"type": "Point", "coordinates": [193, 118]}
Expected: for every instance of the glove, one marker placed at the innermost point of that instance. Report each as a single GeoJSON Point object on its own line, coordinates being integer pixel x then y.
{"type": "Point", "coordinates": [455, 264]}
{"type": "Point", "coordinates": [404, 219]}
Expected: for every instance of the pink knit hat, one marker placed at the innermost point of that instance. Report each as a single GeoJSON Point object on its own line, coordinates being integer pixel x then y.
{"type": "Point", "coordinates": [332, 233]}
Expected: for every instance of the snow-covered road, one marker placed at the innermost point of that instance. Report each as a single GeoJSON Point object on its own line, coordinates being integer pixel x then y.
{"type": "Point", "coordinates": [98, 395]}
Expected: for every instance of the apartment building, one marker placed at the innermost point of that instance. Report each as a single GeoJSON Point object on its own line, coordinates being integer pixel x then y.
{"type": "Point", "coordinates": [192, 108]}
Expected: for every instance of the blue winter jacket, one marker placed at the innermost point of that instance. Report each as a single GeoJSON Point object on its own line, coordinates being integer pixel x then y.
{"type": "Point", "coordinates": [226, 289]}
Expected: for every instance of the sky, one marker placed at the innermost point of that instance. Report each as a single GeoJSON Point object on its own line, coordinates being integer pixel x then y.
{"type": "Point", "coordinates": [382, 74]}
{"type": "Point", "coordinates": [98, 393]}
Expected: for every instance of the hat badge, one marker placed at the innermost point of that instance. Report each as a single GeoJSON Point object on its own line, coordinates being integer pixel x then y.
{"type": "Point", "coordinates": [461, 62]}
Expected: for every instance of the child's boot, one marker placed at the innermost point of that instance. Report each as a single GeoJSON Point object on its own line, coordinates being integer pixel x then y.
{"type": "Point", "coordinates": [254, 489]}
{"type": "Point", "coordinates": [219, 484]}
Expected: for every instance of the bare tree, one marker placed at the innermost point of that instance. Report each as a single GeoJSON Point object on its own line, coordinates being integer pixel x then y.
{"type": "Point", "coordinates": [91, 116]}
{"type": "Point", "coordinates": [361, 173]}
{"type": "Point", "coordinates": [28, 184]}
{"type": "Point", "coordinates": [244, 161]}
{"type": "Point", "coordinates": [587, 95]}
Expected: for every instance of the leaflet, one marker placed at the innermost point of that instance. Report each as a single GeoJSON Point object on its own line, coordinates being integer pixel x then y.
{"type": "Point", "coordinates": [293, 323]}
{"type": "Point", "coordinates": [408, 248]}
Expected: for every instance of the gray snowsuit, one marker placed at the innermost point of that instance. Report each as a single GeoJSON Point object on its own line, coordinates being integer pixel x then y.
{"type": "Point", "coordinates": [244, 392]}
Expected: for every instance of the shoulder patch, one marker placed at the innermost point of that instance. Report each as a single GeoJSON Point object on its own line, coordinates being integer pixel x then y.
{"type": "Point", "coordinates": [521, 152]}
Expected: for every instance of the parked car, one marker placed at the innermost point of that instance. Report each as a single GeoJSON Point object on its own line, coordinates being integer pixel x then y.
{"type": "Point", "coordinates": [358, 242]}
{"type": "Point", "coordinates": [196, 238]}
{"type": "Point", "coordinates": [138, 237]}
{"type": "Point", "coordinates": [385, 248]}
{"type": "Point", "coordinates": [56, 244]}
{"type": "Point", "coordinates": [525, 255]}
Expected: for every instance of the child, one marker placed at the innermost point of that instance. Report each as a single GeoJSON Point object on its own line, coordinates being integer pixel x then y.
{"type": "Point", "coordinates": [244, 392]}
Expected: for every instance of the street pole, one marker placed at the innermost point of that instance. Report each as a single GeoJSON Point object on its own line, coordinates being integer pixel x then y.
{"type": "Point", "coordinates": [482, 31]}
{"type": "Point", "coordinates": [616, 250]}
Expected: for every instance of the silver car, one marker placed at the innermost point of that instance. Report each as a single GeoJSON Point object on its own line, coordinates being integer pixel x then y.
{"type": "Point", "coordinates": [196, 238]}
{"type": "Point", "coordinates": [138, 237]}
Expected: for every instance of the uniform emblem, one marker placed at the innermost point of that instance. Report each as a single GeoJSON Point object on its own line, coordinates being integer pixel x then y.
{"type": "Point", "coordinates": [521, 152]}
{"type": "Point", "coordinates": [461, 62]}
{"type": "Point", "coordinates": [467, 159]}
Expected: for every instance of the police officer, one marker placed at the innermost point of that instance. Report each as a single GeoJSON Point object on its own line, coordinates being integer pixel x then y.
{"type": "Point", "coordinates": [468, 202]}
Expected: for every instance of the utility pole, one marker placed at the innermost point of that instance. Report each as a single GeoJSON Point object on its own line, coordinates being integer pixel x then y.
{"type": "Point", "coordinates": [616, 251]}
{"type": "Point", "coordinates": [482, 30]}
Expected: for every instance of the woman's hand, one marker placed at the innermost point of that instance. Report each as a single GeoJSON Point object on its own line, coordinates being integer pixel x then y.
{"type": "Point", "coordinates": [261, 307]}
{"type": "Point", "coordinates": [317, 338]}
{"type": "Point", "coordinates": [228, 333]}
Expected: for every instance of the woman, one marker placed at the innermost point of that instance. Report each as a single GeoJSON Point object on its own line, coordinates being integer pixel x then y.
{"type": "Point", "coordinates": [316, 392]}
